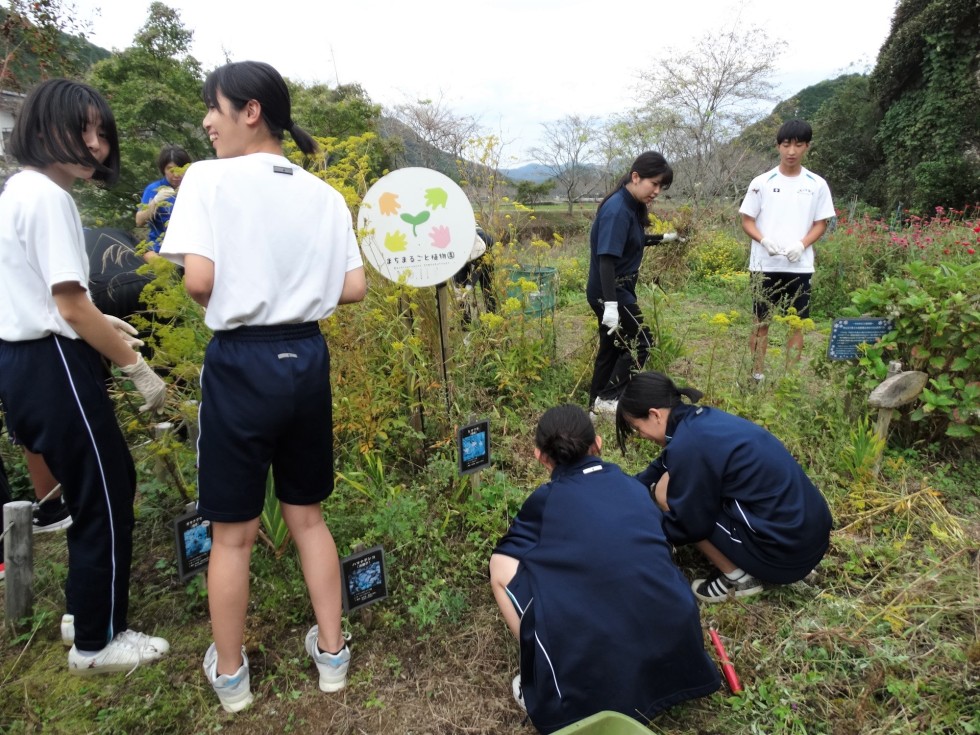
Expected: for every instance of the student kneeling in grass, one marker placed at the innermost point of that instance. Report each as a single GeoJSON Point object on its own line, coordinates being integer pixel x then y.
{"type": "Point", "coordinates": [727, 486]}
{"type": "Point", "coordinates": [585, 582]}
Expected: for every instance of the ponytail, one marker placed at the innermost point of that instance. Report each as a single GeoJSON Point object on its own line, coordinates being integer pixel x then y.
{"type": "Point", "coordinates": [241, 81]}
{"type": "Point", "coordinates": [643, 392]}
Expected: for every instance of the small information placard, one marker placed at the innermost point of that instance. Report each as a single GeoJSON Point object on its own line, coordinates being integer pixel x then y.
{"type": "Point", "coordinates": [193, 536]}
{"type": "Point", "coordinates": [847, 334]}
{"type": "Point", "coordinates": [364, 578]}
{"type": "Point", "coordinates": [473, 446]}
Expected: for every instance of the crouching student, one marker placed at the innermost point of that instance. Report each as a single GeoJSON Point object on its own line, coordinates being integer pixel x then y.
{"type": "Point", "coordinates": [585, 582]}
{"type": "Point", "coordinates": [727, 486]}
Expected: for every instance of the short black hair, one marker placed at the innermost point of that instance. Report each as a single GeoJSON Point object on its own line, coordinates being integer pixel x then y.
{"type": "Point", "coordinates": [796, 129]}
{"type": "Point", "coordinates": [172, 154]}
{"type": "Point", "coordinates": [50, 124]}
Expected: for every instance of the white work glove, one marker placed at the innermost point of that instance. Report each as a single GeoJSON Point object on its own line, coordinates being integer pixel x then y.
{"type": "Point", "coordinates": [669, 237]}
{"type": "Point", "coordinates": [610, 316]}
{"type": "Point", "coordinates": [794, 251]}
{"type": "Point", "coordinates": [148, 383]}
{"type": "Point", "coordinates": [772, 247]}
{"type": "Point", "coordinates": [126, 330]}
{"type": "Point", "coordinates": [163, 194]}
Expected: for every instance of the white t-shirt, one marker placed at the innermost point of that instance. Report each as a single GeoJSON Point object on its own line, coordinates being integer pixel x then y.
{"type": "Point", "coordinates": [281, 240]}
{"type": "Point", "coordinates": [41, 244]}
{"type": "Point", "coordinates": [785, 208]}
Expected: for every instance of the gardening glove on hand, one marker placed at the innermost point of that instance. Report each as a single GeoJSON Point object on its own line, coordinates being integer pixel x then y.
{"type": "Point", "coordinates": [610, 316]}
{"type": "Point", "coordinates": [163, 194]}
{"type": "Point", "coordinates": [148, 383]}
{"type": "Point", "coordinates": [126, 331]}
{"type": "Point", "coordinates": [795, 251]}
{"type": "Point", "coordinates": [669, 237]}
{"type": "Point", "coordinates": [771, 246]}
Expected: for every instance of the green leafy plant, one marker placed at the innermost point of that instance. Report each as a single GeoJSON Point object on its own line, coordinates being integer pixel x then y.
{"type": "Point", "coordinates": [935, 311]}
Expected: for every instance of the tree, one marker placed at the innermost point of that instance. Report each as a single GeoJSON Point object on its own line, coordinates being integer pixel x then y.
{"type": "Point", "coordinates": [529, 192]}
{"type": "Point", "coordinates": [154, 89]}
{"type": "Point", "coordinates": [569, 153]}
{"type": "Point", "coordinates": [41, 39]}
{"type": "Point", "coordinates": [340, 113]}
{"type": "Point", "coordinates": [703, 99]}
{"type": "Point", "coordinates": [927, 82]}
{"type": "Point", "coordinates": [845, 151]}
{"type": "Point", "coordinates": [439, 130]}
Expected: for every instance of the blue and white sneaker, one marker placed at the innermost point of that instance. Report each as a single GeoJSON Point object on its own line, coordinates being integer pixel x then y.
{"type": "Point", "coordinates": [234, 692]}
{"type": "Point", "coordinates": [331, 667]}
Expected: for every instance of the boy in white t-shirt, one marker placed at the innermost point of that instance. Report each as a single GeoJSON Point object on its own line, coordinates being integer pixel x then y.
{"type": "Point", "coordinates": [785, 211]}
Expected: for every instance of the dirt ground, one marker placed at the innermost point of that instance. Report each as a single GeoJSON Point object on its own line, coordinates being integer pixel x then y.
{"type": "Point", "coordinates": [457, 682]}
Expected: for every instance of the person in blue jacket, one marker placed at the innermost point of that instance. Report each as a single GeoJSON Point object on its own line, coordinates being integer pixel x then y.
{"type": "Point", "coordinates": [616, 243]}
{"type": "Point", "coordinates": [584, 580]}
{"type": "Point", "coordinates": [158, 198]}
{"type": "Point", "coordinates": [727, 486]}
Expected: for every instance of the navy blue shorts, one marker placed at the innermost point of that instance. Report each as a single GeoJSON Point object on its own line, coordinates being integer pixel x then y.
{"type": "Point", "coordinates": [265, 401]}
{"type": "Point", "coordinates": [779, 291]}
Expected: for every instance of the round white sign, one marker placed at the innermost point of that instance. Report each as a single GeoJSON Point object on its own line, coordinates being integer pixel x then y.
{"type": "Point", "coordinates": [416, 225]}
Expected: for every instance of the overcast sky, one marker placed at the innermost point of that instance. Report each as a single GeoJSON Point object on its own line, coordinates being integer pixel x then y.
{"type": "Point", "coordinates": [513, 64]}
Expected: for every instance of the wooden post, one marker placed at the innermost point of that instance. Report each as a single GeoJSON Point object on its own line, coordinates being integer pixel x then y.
{"type": "Point", "coordinates": [442, 309]}
{"type": "Point", "coordinates": [18, 552]}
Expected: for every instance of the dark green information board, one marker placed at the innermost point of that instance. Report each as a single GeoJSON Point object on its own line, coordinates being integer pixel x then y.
{"type": "Point", "coordinates": [847, 334]}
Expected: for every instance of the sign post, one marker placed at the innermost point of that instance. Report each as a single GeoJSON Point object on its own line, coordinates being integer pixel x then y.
{"type": "Point", "coordinates": [416, 226]}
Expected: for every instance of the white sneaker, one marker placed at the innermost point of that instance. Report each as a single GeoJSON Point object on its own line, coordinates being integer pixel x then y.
{"type": "Point", "coordinates": [68, 629]}
{"type": "Point", "coordinates": [332, 667]}
{"type": "Point", "coordinates": [518, 691]}
{"type": "Point", "coordinates": [602, 406]}
{"type": "Point", "coordinates": [125, 652]}
{"type": "Point", "coordinates": [234, 692]}
{"type": "Point", "coordinates": [152, 647]}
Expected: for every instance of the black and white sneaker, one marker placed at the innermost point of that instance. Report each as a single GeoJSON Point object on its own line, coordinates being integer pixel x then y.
{"type": "Point", "coordinates": [51, 516]}
{"type": "Point", "coordinates": [518, 692]}
{"type": "Point", "coordinates": [719, 587]}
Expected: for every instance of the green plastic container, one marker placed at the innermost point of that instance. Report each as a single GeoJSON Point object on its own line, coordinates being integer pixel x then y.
{"type": "Point", "coordinates": [536, 303]}
{"type": "Point", "coordinates": [605, 723]}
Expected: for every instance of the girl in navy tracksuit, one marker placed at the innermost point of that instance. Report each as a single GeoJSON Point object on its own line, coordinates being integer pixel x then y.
{"type": "Point", "coordinates": [727, 486]}
{"type": "Point", "coordinates": [53, 345]}
{"type": "Point", "coordinates": [585, 581]}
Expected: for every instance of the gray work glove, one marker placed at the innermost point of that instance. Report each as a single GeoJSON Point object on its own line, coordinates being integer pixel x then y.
{"type": "Point", "coordinates": [148, 383]}
{"type": "Point", "coordinates": [610, 316]}
{"type": "Point", "coordinates": [772, 247]}
{"type": "Point", "coordinates": [794, 251]}
{"type": "Point", "coordinates": [126, 330]}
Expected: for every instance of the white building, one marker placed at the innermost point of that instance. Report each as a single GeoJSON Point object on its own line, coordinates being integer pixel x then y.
{"type": "Point", "coordinates": [10, 103]}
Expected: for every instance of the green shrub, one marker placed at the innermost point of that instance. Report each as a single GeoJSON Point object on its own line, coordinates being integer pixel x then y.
{"type": "Point", "coordinates": [718, 254]}
{"type": "Point", "coordinates": [935, 310]}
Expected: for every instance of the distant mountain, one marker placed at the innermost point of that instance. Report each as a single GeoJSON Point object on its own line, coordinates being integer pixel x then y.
{"type": "Point", "coordinates": [22, 69]}
{"type": "Point", "coordinates": [534, 172]}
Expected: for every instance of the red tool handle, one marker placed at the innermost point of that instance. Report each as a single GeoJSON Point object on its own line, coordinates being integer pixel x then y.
{"type": "Point", "coordinates": [726, 666]}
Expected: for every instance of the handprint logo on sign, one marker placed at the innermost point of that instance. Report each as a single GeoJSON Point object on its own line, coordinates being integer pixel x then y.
{"type": "Point", "coordinates": [416, 226]}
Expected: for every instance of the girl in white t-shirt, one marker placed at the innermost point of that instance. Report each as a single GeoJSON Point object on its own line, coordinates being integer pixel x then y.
{"type": "Point", "coordinates": [53, 342]}
{"type": "Point", "coordinates": [269, 249]}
